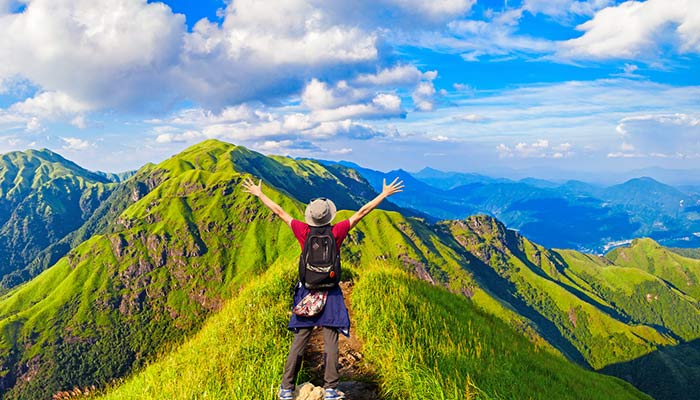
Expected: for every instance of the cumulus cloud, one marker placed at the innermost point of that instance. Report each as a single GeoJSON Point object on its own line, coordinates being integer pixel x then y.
{"type": "Point", "coordinates": [400, 75]}
{"type": "Point", "coordinates": [142, 55]}
{"type": "Point", "coordinates": [68, 46]}
{"type": "Point", "coordinates": [540, 148]}
{"type": "Point", "coordinates": [383, 105]}
{"type": "Point", "coordinates": [649, 26]}
{"type": "Point", "coordinates": [79, 122]}
{"type": "Point", "coordinates": [245, 123]}
{"type": "Point", "coordinates": [50, 105]}
{"type": "Point", "coordinates": [423, 95]}
{"type": "Point", "coordinates": [318, 95]}
{"type": "Point", "coordinates": [73, 143]}
{"type": "Point", "coordinates": [34, 125]}
{"type": "Point", "coordinates": [660, 135]}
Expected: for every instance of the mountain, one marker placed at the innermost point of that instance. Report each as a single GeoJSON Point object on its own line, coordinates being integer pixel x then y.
{"type": "Point", "coordinates": [185, 292]}
{"type": "Point", "coordinates": [184, 242]}
{"type": "Point", "coordinates": [539, 183]}
{"type": "Point", "coordinates": [423, 341]}
{"type": "Point", "coordinates": [573, 214]}
{"type": "Point", "coordinates": [562, 216]}
{"type": "Point", "coordinates": [675, 368]}
{"type": "Point", "coordinates": [43, 197]}
{"type": "Point", "coordinates": [662, 212]}
{"type": "Point", "coordinates": [450, 180]}
{"type": "Point", "coordinates": [102, 220]}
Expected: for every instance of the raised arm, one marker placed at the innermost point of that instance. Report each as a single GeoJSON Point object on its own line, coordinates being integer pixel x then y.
{"type": "Point", "coordinates": [387, 190]}
{"type": "Point", "coordinates": [256, 190]}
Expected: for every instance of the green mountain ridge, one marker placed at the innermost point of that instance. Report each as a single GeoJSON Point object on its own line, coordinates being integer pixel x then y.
{"type": "Point", "coordinates": [178, 252]}
{"type": "Point", "coordinates": [43, 198]}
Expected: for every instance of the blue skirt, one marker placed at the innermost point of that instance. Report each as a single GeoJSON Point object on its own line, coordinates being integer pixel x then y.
{"type": "Point", "coordinates": [334, 314]}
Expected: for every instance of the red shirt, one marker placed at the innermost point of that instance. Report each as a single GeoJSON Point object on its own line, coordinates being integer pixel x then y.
{"type": "Point", "coordinates": [340, 232]}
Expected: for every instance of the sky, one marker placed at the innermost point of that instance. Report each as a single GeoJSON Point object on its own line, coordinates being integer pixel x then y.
{"type": "Point", "coordinates": [575, 86]}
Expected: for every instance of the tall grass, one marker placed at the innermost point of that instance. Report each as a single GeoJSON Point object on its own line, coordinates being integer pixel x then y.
{"type": "Point", "coordinates": [427, 343]}
{"type": "Point", "coordinates": [239, 353]}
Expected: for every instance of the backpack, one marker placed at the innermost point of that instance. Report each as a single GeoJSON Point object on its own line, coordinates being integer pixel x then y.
{"type": "Point", "coordinates": [319, 264]}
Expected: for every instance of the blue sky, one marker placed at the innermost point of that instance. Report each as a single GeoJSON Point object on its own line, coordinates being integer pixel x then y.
{"type": "Point", "coordinates": [595, 86]}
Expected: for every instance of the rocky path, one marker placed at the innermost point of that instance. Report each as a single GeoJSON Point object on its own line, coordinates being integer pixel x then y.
{"type": "Point", "coordinates": [357, 377]}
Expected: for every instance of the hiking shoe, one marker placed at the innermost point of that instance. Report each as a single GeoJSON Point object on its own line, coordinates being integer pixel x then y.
{"type": "Point", "coordinates": [285, 394]}
{"type": "Point", "coordinates": [332, 394]}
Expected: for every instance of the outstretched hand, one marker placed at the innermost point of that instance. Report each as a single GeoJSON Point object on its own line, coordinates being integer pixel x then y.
{"type": "Point", "coordinates": [250, 187]}
{"type": "Point", "coordinates": [394, 187]}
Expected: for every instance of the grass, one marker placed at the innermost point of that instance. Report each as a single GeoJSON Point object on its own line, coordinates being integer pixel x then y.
{"type": "Point", "coordinates": [430, 344]}
{"type": "Point", "coordinates": [238, 354]}
{"type": "Point", "coordinates": [197, 244]}
{"type": "Point", "coordinates": [433, 344]}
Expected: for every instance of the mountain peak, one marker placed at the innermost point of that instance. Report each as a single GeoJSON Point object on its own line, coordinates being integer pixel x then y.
{"type": "Point", "coordinates": [643, 180]}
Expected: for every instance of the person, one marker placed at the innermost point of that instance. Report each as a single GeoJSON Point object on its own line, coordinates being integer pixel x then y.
{"type": "Point", "coordinates": [334, 316]}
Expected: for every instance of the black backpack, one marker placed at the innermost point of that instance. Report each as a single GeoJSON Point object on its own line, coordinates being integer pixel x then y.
{"type": "Point", "coordinates": [319, 264]}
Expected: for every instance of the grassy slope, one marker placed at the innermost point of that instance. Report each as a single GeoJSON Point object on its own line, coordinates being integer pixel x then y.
{"type": "Point", "coordinates": [43, 197]}
{"type": "Point", "coordinates": [430, 343]}
{"type": "Point", "coordinates": [649, 256]}
{"type": "Point", "coordinates": [181, 250]}
{"type": "Point", "coordinates": [689, 253]}
{"type": "Point", "coordinates": [189, 244]}
{"type": "Point", "coordinates": [101, 221]}
{"type": "Point", "coordinates": [174, 256]}
{"type": "Point", "coordinates": [549, 286]}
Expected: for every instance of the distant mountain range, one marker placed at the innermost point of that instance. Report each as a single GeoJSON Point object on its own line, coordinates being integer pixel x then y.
{"type": "Point", "coordinates": [572, 214]}
{"type": "Point", "coordinates": [180, 283]}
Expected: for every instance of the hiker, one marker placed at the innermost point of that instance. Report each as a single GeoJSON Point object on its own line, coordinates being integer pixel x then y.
{"type": "Point", "coordinates": [324, 306]}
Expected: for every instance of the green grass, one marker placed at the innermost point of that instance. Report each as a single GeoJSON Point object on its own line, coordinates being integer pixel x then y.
{"type": "Point", "coordinates": [428, 342]}
{"type": "Point", "coordinates": [433, 344]}
{"type": "Point", "coordinates": [195, 253]}
{"type": "Point", "coordinates": [649, 256]}
{"type": "Point", "coordinates": [238, 354]}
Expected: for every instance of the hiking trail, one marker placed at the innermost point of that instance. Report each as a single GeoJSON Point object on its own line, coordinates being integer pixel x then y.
{"type": "Point", "coordinates": [358, 379]}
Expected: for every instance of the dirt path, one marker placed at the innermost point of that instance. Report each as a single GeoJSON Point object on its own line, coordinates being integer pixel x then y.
{"type": "Point", "coordinates": [357, 377]}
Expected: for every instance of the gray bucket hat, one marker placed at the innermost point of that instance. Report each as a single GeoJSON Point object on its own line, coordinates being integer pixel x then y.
{"type": "Point", "coordinates": [319, 212]}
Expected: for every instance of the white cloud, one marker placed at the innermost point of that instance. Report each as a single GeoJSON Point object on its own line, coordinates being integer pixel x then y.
{"type": "Point", "coordinates": [668, 135]}
{"type": "Point", "coordinates": [648, 26]}
{"type": "Point", "coordinates": [79, 122]}
{"type": "Point", "coordinates": [400, 75]}
{"type": "Point", "coordinates": [347, 128]}
{"type": "Point", "coordinates": [563, 8]}
{"type": "Point", "coordinates": [495, 37]}
{"type": "Point", "coordinates": [540, 148]}
{"type": "Point", "coordinates": [34, 125]}
{"type": "Point", "coordinates": [78, 47]}
{"type": "Point", "coordinates": [73, 143]}
{"type": "Point", "coordinates": [462, 87]}
{"type": "Point", "coordinates": [343, 101]}
{"type": "Point", "coordinates": [318, 95]}
{"type": "Point", "coordinates": [285, 146]}
{"type": "Point", "coordinates": [142, 54]}
{"type": "Point", "coordinates": [423, 96]}
{"type": "Point", "coordinates": [620, 154]}
{"type": "Point", "coordinates": [469, 118]}
{"type": "Point", "coordinates": [344, 150]}
{"type": "Point", "coordinates": [10, 120]}
{"type": "Point", "coordinates": [49, 105]}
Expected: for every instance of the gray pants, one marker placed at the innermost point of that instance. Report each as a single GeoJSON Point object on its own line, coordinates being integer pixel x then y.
{"type": "Point", "coordinates": [330, 357]}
